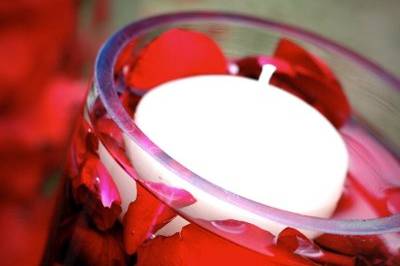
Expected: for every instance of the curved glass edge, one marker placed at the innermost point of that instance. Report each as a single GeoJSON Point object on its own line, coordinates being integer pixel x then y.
{"type": "Point", "coordinates": [104, 84]}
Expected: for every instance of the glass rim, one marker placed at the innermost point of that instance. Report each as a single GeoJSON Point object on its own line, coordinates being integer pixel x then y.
{"type": "Point", "coordinates": [106, 89]}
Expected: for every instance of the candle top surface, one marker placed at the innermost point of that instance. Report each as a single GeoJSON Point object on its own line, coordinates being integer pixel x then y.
{"type": "Point", "coordinates": [250, 138]}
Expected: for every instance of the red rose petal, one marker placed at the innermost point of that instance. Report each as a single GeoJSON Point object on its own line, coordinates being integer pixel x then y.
{"type": "Point", "coordinates": [316, 81]}
{"type": "Point", "coordinates": [129, 101]}
{"type": "Point", "coordinates": [330, 99]}
{"type": "Point", "coordinates": [111, 137]}
{"type": "Point", "coordinates": [297, 56]}
{"type": "Point", "coordinates": [371, 247]}
{"type": "Point", "coordinates": [322, 92]}
{"type": "Point", "coordinates": [296, 242]}
{"type": "Point", "coordinates": [373, 171]}
{"type": "Point", "coordinates": [251, 66]}
{"type": "Point", "coordinates": [197, 246]}
{"type": "Point", "coordinates": [126, 58]}
{"type": "Point", "coordinates": [305, 76]}
{"type": "Point", "coordinates": [178, 198]}
{"type": "Point", "coordinates": [106, 127]}
{"type": "Point", "coordinates": [95, 189]}
{"type": "Point", "coordinates": [87, 246]}
{"type": "Point", "coordinates": [145, 216]}
{"type": "Point", "coordinates": [286, 83]}
{"type": "Point", "coordinates": [393, 199]}
{"type": "Point", "coordinates": [176, 54]}
{"type": "Point", "coordinates": [85, 142]}
{"type": "Point", "coordinates": [282, 66]}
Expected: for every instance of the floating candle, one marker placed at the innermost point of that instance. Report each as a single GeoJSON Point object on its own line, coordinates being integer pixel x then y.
{"type": "Point", "coordinates": [247, 137]}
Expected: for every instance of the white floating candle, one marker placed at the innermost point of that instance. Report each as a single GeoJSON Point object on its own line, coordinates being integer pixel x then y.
{"type": "Point", "coordinates": [246, 136]}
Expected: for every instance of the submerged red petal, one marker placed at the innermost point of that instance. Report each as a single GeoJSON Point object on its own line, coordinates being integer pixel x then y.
{"type": "Point", "coordinates": [129, 101]}
{"type": "Point", "coordinates": [144, 217]}
{"type": "Point", "coordinates": [85, 142]}
{"type": "Point", "coordinates": [96, 191]}
{"type": "Point", "coordinates": [176, 54]}
{"type": "Point", "coordinates": [251, 66]}
{"type": "Point", "coordinates": [371, 247]}
{"type": "Point", "coordinates": [372, 173]}
{"type": "Point", "coordinates": [298, 57]}
{"type": "Point", "coordinates": [175, 197]}
{"type": "Point", "coordinates": [303, 75]}
{"type": "Point", "coordinates": [294, 241]}
{"type": "Point", "coordinates": [197, 246]}
{"type": "Point", "coordinates": [315, 80]}
{"type": "Point", "coordinates": [107, 128]}
{"type": "Point", "coordinates": [127, 57]}
{"type": "Point", "coordinates": [283, 67]}
{"type": "Point", "coordinates": [330, 99]}
{"type": "Point", "coordinates": [286, 83]}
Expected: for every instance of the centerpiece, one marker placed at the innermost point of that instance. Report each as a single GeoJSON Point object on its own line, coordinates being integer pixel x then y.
{"type": "Point", "coordinates": [222, 139]}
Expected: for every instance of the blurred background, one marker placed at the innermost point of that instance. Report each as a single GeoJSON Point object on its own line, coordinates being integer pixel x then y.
{"type": "Point", "coordinates": [47, 49]}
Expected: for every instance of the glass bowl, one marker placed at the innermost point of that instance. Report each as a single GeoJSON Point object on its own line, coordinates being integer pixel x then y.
{"type": "Point", "coordinates": [115, 169]}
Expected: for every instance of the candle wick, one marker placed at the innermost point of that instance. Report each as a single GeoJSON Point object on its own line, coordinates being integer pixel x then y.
{"type": "Point", "coordinates": [266, 74]}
